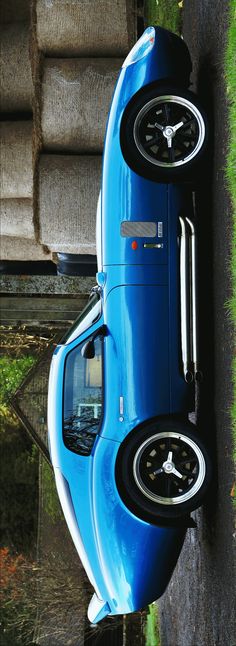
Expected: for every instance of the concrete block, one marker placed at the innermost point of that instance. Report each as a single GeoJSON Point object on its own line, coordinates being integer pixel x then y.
{"type": "Point", "coordinates": [15, 75]}
{"type": "Point", "coordinates": [86, 27]}
{"type": "Point", "coordinates": [76, 96]}
{"type": "Point", "coordinates": [16, 218]}
{"type": "Point", "coordinates": [16, 159]}
{"type": "Point", "coordinates": [20, 249]}
{"type": "Point", "coordinates": [68, 193]}
{"type": "Point", "coordinates": [62, 285]}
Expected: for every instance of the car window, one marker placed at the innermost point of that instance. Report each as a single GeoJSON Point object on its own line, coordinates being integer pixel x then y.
{"type": "Point", "coordinates": [90, 314]}
{"type": "Point", "coordinates": [82, 399]}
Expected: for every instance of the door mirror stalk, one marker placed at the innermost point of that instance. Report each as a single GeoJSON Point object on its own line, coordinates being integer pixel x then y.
{"type": "Point", "coordinates": [88, 349]}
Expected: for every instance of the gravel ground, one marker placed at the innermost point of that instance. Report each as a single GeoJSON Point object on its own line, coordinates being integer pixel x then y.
{"type": "Point", "coordinates": [198, 608]}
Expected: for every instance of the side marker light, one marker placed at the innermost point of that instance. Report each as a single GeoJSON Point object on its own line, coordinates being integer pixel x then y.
{"type": "Point", "coordinates": [134, 245]}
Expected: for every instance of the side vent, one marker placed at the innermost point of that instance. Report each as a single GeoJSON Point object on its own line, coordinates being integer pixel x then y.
{"type": "Point", "coordinates": [138, 229]}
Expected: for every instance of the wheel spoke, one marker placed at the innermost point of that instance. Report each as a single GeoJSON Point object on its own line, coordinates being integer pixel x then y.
{"type": "Point", "coordinates": [177, 473]}
{"type": "Point", "coordinates": [158, 471]}
{"type": "Point", "coordinates": [188, 123]}
{"type": "Point", "coordinates": [171, 154]}
{"type": "Point", "coordinates": [180, 145]}
{"type": "Point", "coordinates": [186, 472]}
{"type": "Point", "coordinates": [178, 125]}
{"type": "Point", "coordinates": [158, 125]}
{"type": "Point", "coordinates": [152, 142]}
{"type": "Point", "coordinates": [150, 468]}
{"type": "Point", "coordinates": [167, 112]}
{"type": "Point", "coordinates": [162, 148]}
{"type": "Point", "coordinates": [148, 129]}
{"type": "Point", "coordinates": [183, 134]}
{"type": "Point", "coordinates": [168, 486]}
{"type": "Point", "coordinates": [168, 444]}
{"type": "Point", "coordinates": [177, 484]}
{"type": "Point", "coordinates": [187, 460]}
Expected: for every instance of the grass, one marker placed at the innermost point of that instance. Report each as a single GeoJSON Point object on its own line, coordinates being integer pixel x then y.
{"type": "Point", "coordinates": [152, 630]}
{"type": "Point", "coordinates": [13, 371]}
{"type": "Point", "coordinates": [166, 13]}
{"type": "Point", "coordinates": [230, 77]}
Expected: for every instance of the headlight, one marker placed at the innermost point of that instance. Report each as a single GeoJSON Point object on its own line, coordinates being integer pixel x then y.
{"type": "Point", "coordinates": [142, 47]}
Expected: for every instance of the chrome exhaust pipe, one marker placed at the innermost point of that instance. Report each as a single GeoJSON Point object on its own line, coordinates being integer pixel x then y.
{"type": "Point", "coordinates": [193, 302]}
{"type": "Point", "coordinates": [188, 301]}
{"type": "Point", "coordinates": [185, 302]}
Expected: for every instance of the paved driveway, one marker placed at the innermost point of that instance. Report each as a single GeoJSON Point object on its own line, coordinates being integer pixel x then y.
{"type": "Point", "coordinates": [198, 608]}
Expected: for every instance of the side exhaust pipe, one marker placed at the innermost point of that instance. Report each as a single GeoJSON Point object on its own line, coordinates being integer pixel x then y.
{"type": "Point", "coordinates": [188, 301]}
{"type": "Point", "coordinates": [193, 302]}
{"type": "Point", "coordinates": [185, 303]}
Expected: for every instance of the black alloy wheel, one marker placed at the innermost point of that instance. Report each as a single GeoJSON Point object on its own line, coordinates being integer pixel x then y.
{"type": "Point", "coordinates": [163, 470]}
{"type": "Point", "coordinates": [164, 134]}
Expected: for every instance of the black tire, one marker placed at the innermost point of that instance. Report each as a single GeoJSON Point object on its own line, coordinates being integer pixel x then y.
{"type": "Point", "coordinates": [70, 264]}
{"type": "Point", "coordinates": [163, 495]}
{"type": "Point", "coordinates": [145, 143]}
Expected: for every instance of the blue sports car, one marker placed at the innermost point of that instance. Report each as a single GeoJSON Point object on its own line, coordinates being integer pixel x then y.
{"type": "Point", "coordinates": [129, 466]}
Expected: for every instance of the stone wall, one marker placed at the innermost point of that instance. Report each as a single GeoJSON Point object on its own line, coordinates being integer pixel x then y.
{"type": "Point", "coordinates": [59, 66]}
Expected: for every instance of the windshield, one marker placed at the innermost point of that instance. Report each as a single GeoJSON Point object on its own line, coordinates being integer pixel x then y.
{"type": "Point", "coordinates": [82, 398]}
{"type": "Point", "coordinates": [90, 314]}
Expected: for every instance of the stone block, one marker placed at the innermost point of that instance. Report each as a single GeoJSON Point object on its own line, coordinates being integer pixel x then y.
{"type": "Point", "coordinates": [76, 96]}
{"type": "Point", "coordinates": [20, 249]}
{"type": "Point", "coordinates": [86, 27]}
{"type": "Point", "coordinates": [68, 193]}
{"type": "Point", "coordinates": [16, 159]}
{"type": "Point", "coordinates": [16, 217]}
{"type": "Point", "coordinates": [15, 75]}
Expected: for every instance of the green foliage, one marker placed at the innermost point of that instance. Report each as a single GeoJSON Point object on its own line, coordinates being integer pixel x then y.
{"type": "Point", "coordinates": [19, 490]}
{"type": "Point", "coordinates": [165, 13]}
{"type": "Point", "coordinates": [50, 497]}
{"type": "Point", "coordinates": [18, 460]}
{"type": "Point", "coordinates": [152, 628]}
{"type": "Point", "coordinates": [12, 373]}
{"type": "Point", "coordinates": [8, 419]}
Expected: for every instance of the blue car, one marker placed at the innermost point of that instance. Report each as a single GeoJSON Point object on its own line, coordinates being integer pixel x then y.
{"type": "Point", "coordinates": [129, 466]}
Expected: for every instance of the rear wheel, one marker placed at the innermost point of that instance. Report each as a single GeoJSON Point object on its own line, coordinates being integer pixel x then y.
{"type": "Point", "coordinates": [163, 471]}
{"type": "Point", "coordinates": [164, 134]}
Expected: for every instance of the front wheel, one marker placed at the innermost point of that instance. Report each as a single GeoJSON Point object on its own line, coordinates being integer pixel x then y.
{"type": "Point", "coordinates": [164, 134]}
{"type": "Point", "coordinates": [163, 471]}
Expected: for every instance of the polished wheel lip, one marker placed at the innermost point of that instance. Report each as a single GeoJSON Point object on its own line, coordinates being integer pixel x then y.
{"type": "Point", "coordinates": [171, 99]}
{"type": "Point", "coordinates": [160, 499]}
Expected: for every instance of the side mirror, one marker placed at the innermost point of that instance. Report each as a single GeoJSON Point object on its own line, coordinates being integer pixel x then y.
{"type": "Point", "coordinates": [88, 349]}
